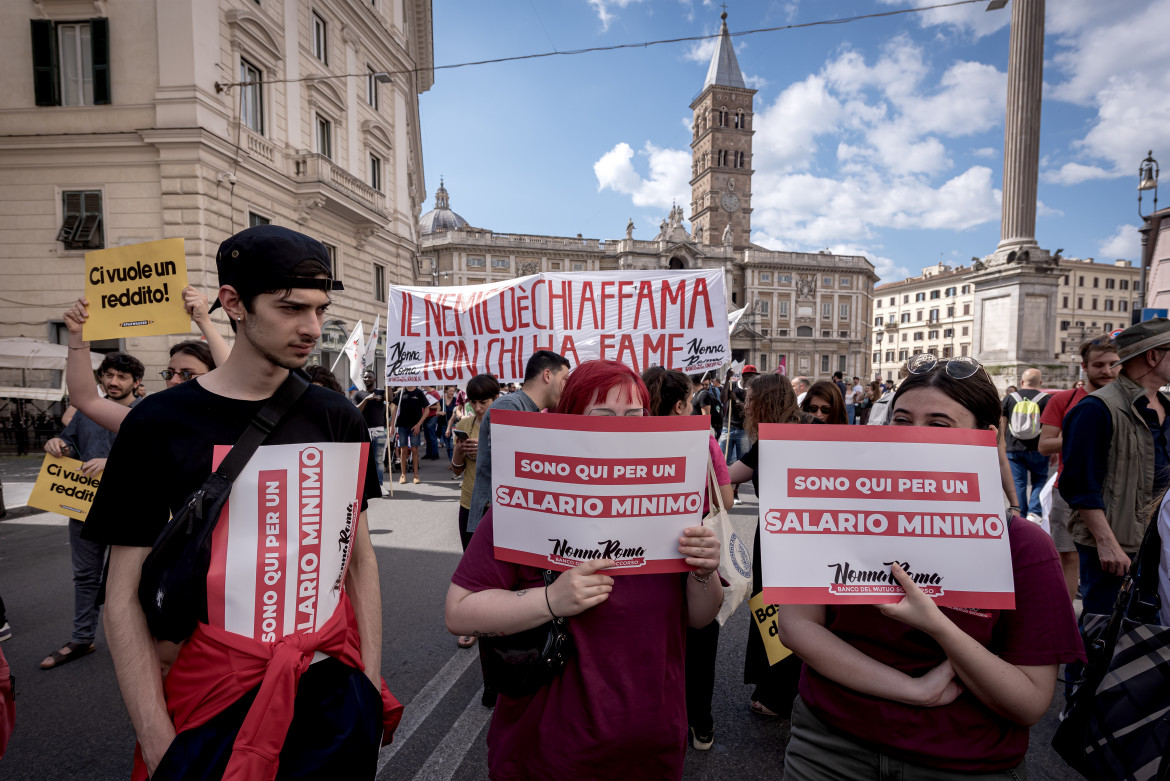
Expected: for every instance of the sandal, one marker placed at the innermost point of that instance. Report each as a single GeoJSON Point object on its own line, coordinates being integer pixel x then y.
{"type": "Point", "coordinates": [760, 709]}
{"type": "Point", "coordinates": [72, 651]}
{"type": "Point", "coordinates": [466, 641]}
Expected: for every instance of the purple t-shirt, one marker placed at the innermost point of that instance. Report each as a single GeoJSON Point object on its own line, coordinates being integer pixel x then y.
{"type": "Point", "coordinates": [619, 706]}
{"type": "Point", "coordinates": [722, 473]}
{"type": "Point", "coordinates": [964, 735]}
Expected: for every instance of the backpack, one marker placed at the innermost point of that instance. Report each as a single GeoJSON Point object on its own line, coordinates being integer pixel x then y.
{"type": "Point", "coordinates": [1024, 422]}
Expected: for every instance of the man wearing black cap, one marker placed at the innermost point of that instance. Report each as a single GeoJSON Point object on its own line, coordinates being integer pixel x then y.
{"type": "Point", "coordinates": [275, 288]}
{"type": "Point", "coordinates": [1116, 460]}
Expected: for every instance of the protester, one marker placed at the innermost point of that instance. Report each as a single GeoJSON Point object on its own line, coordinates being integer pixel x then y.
{"type": "Point", "coordinates": [670, 393]}
{"type": "Point", "coordinates": [1098, 357]}
{"type": "Point", "coordinates": [1020, 426]}
{"type": "Point", "coordinates": [919, 690]}
{"type": "Point", "coordinates": [736, 440]}
{"type": "Point", "coordinates": [90, 443]}
{"type": "Point", "coordinates": [769, 400]}
{"type": "Point", "coordinates": [319, 375]}
{"type": "Point", "coordinates": [544, 379]}
{"type": "Point", "coordinates": [856, 395]}
{"type": "Point", "coordinates": [371, 402]}
{"type": "Point", "coordinates": [431, 423]}
{"type": "Point", "coordinates": [188, 359]}
{"type": "Point", "coordinates": [444, 424]}
{"type": "Point", "coordinates": [800, 387]}
{"type": "Point", "coordinates": [707, 402]}
{"type": "Point", "coordinates": [618, 708]}
{"type": "Point", "coordinates": [869, 396]}
{"type": "Point", "coordinates": [409, 409]}
{"type": "Point", "coordinates": [1116, 459]}
{"type": "Point", "coordinates": [824, 402]}
{"type": "Point", "coordinates": [275, 291]}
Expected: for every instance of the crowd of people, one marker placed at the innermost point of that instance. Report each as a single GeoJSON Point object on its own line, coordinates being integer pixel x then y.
{"type": "Point", "coordinates": [918, 690]}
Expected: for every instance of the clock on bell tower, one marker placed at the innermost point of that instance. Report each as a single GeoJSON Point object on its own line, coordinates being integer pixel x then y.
{"type": "Point", "coordinates": [721, 149]}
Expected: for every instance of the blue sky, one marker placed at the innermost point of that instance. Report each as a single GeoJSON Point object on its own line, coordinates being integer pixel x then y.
{"type": "Point", "coordinates": [882, 137]}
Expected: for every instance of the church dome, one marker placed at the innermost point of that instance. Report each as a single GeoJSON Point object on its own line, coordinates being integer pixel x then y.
{"type": "Point", "coordinates": [440, 218]}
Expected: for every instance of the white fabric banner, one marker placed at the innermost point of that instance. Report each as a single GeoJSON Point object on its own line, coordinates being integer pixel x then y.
{"type": "Point", "coordinates": [447, 335]}
{"type": "Point", "coordinates": [369, 355]}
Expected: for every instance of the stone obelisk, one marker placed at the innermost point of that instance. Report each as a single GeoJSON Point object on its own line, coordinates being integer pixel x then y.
{"type": "Point", "coordinates": [1015, 286]}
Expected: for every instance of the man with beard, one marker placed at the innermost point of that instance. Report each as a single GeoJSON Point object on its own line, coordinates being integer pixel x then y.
{"type": "Point", "coordinates": [83, 439]}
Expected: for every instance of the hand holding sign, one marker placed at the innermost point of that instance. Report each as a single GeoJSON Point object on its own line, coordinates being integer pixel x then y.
{"type": "Point", "coordinates": [64, 486]}
{"type": "Point", "coordinates": [701, 548]}
{"type": "Point", "coordinates": [135, 290]}
{"type": "Point", "coordinates": [580, 588]}
{"type": "Point", "coordinates": [915, 609]}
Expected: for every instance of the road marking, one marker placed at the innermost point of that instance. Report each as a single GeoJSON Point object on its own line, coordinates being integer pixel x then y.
{"type": "Point", "coordinates": [448, 755]}
{"type": "Point", "coordinates": [424, 702]}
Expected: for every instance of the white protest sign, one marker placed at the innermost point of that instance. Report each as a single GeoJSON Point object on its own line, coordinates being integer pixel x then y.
{"type": "Point", "coordinates": [447, 335]}
{"type": "Point", "coordinates": [282, 544]}
{"type": "Point", "coordinates": [571, 488]}
{"type": "Point", "coordinates": [840, 504]}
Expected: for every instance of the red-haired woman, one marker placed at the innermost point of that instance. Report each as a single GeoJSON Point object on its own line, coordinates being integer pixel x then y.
{"type": "Point", "coordinates": [620, 700]}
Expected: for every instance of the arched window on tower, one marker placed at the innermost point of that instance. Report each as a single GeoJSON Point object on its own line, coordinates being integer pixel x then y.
{"type": "Point", "coordinates": [722, 158]}
{"type": "Point", "coordinates": [740, 120]}
{"type": "Point", "coordinates": [722, 117]}
{"type": "Point", "coordinates": [738, 157]}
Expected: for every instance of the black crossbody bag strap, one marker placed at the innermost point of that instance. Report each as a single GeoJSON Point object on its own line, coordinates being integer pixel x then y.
{"type": "Point", "coordinates": [262, 425]}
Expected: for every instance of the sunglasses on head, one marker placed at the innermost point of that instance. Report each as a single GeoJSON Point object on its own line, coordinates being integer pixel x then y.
{"type": "Point", "coordinates": [956, 368]}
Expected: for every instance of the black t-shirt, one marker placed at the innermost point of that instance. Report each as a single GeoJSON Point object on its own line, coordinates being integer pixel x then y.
{"type": "Point", "coordinates": [411, 406]}
{"type": "Point", "coordinates": [1011, 444]}
{"type": "Point", "coordinates": [708, 398]}
{"type": "Point", "coordinates": [164, 450]}
{"type": "Point", "coordinates": [374, 412]}
{"type": "Point", "coordinates": [735, 399]}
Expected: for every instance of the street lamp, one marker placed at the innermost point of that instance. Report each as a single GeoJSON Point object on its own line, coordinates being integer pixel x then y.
{"type": "Point", "coordinates": [1148, 180]}
{"type": "Point", "coordinates": [381, 77]}
{"type": "Point", "coordinates": [879, 336]}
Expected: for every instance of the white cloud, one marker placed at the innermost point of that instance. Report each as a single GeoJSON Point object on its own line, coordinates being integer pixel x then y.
{"type": "Point", "coordinates": [755, 82]}
{"type": "Point", "coordinates": [701, 51]}
{"type": "Point", "coordinates": [970, 21]}
{"type": "Point", "coordinates": [604, 12]}
{"type": "Point", "coordinates": [1075, 173]}
{"type": "Point", "coordinates": [1124, 243]}
{"type": "Point", "coordinates": [984, 152]}
{"type": "Point", "coordinates": [668, 182]}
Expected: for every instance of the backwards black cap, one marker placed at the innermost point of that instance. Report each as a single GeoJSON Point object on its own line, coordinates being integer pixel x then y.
{"type": "Point", "coordinates": [263, 258]}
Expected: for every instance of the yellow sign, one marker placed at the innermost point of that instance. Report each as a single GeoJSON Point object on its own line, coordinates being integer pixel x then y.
{"type": "Point", "coordinates": [764, 617]}
{"type": "Point", "coordinates": [136, 290]}
{"type": "Point", "coordinates": [61, 488]}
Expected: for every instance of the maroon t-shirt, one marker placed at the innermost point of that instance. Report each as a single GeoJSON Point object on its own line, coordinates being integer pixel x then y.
{"type": "Point", "coordinates": [1057, 408]}
{"type": "Point", "coordinates": [966, 734]}
{"type": "Point", "coordinates": [619, 706]}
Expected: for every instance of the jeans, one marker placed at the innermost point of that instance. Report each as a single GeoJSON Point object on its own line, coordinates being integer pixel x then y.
{"type": "Point", "coordinates": [1023, 464]}
{"type": "Point", "coordinates": [851, 413]}
{"type": "Point", "coordinates": [1098, 588]}
{"type": "Point", "coordinates": [702, 644]}
{"type": "Point", "coordinates": [89, 559]}
{"type": "Point", "coordinates": [445, 438]}
{"type": "Point", "coordinates": [737, 444]}
{"type": "Point", "coordinates": [432, 437]}
{"type": "Point", "coordinates": [378, 440]}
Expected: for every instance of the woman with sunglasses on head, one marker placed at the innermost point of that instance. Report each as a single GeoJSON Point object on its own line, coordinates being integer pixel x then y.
{"type": "Point", "coordinates": [670, 394]}
{"type": "Point", "coordinates": [825, 403]}
{"type": "Point", "coordinates": [769, 399]}
{"type": "Point", "coordinates": [618, 707]}
{"type": "Point", "coordinates": [189, 359]}
{"type": "Point", "coordinates": [929, 692]}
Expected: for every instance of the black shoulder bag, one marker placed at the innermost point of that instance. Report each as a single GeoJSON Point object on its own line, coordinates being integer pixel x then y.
{"type": "Point", "coordinates": [173, 588]}
{"type": "Point", "coordinates": [1116, 724]}
{"type": "Point", "coordinates": [519, 665]}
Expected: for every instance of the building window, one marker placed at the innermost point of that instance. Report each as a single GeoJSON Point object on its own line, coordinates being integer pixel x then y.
{"type": "Point", "coordinates": [722, 118]}
{"type": "Point", "coordinates": [1064, 324]}
{"type": "Point", "coordinates": [500, 263]}
{"type": "Point", "coordinates": [948, 333]}
{"type": "Point", "coordinates": [891, 300]}
{"type": "Point", "coordinates": [920, 296]}
{"type": "Point", "coordinates": [826, 334]}
{"type": "Point", "coordinates": [1108, 305]}
{"type": "Point", "coordinates": [966, 289]}
{"type": "Point", "coordinates": [765, 276]}
{"type": "Point", "coordinates": [846, 282]}
{"type": "Point", "coordinates": [251, 97]}
{"type": "Point", "coordinates": [782, 308]}
{"type": "Point", "coordinates": [905, 336]}
{"type": "Point", "coordinates": [740, 120]}
{"type": "Point", "coordinates": [950, 292]}
{"type": "Point", "coordinates": [1108, 327]}
{"type": "Point", "coordinates": [1110, 283]}
{"type": "Point", "coordinates": [966, 309]}
{"type": "Point", "coordinates": [824, 364]}
{"type": "Point", "coordinates": [81, 220]}
{"type": "Point", "coordinates": [804, 330]}
{"type": "Point", "coordinates": [905, 317]}
{"type": "Point", "coordinates": [1125, 284]}
{"type": "Point", "coordinates": [765, 306]}
{"type": "Point", "coordinates": [320, 43]}
{"type": "Point", "coordinates": [1094, 306]}
{"type": "Point", "coordinates": [71, 62]}
{"type": "Point", "coordinates": [784, 279]}
{"type": "Point", "coordinates": [951, 311]}
{"type": "Point", "coordinates": [334, 268]}
{"type": "Point", "coordinates": [946, 351]}
{"type": "Point", "coordinates": [933, 334]}
{"type": "Point", "coordinates": [827, 311]}
{"type": "Point", "coordinates": [722, 158]}
{"type": "Point", "coordinates": [476, 262]}
{"type": "Point", "coordinates": [1081, 280]}
{"type": "Point", "coordinates": [889, 355]}
{"type": "Point", "coordinates": [379, 282]}
{"type": "Point", "coordinates": [903, 355]}
{"type": "Point", "coordinates": [371, 87]}
{"type": "Point", "coordinates": [965, 331]}
{"type": "Point", "coordinates": [324, 137]}
{"type": "Point", "coordinates": [918, 316]}
{"type": "Point", "coordinates": [935, 294]}
{"type": "Point", "coordinates": [827, 281]}
{"type": "Point", "coordinates": [918, 336]}
{"type": "Point", "coordinates": [737, 159]}
{"type": "Point", "coordinates": [1121, 306]}
{"type": "Point", "coordinates": [905, 300]}
{"type": "Point", "coordinates": [877, 320]}
{"type": "Point", "coordinates": [844, 315]}
{"type": "Point", "coordinates": [1065, 302]}
{"type": "Point", "coordinates": [1096, 282]}
{"type": "Point", "coordinates": [376, 172]}
{"type": "Point", "coordinates": [841, 363]}
{"type": "Point", "coordinates": [255, 219]}
{"type": "Point", "coordinates": [963, 349]}
{"type": "Point", "coordinates": [578, 267]}
{"type": "Point", "coordinates": [934, 315]}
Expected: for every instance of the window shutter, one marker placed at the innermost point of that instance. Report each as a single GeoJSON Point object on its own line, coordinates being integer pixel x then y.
{"type": "Point", "coordinates": [91, 218]}
{"type": "Point", "coordinates": [99, 35]}
{"type": "Point", "coordinates": [46, 84]}
{"type": "Point", "coordinates": [72, 216]}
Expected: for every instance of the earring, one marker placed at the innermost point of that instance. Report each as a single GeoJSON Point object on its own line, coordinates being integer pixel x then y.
{"type": "Point", "coordinates": [240, 319]}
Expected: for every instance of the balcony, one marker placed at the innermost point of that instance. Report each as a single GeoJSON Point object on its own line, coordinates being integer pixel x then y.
{"type": "Point", "coordinates": [343, 193]}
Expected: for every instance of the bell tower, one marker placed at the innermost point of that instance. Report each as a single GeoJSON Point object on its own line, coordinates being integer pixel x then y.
{"type": "Point", "coordinates": [721, 150]}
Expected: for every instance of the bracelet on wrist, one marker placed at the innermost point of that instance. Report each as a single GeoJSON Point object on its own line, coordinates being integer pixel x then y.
{"type": "Point", "coordinates": [694, 574]}
{"type": "Point", "coordinates": [82, 347]}
{"type": "Point", "coordinates": [549, 604]}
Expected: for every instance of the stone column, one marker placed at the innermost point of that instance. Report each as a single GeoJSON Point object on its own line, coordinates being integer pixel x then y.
{"type": "Point", "coordinates": [1021, 143]}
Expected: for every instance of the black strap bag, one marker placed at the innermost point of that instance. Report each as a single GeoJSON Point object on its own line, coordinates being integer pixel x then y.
{"type": "Point", "coordinates": [521, 664]}
{"type": "Point", "coordinates": [173, 587]}
{"type": "Point", "coordinates": [1117, 722]}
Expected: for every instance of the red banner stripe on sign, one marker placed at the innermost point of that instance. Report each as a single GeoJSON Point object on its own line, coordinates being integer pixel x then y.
{"type": "Point", "coordinates": [578, 470]}
{"type": "Point", "coordinates": [914, 434]}
{"type": "Point", "coordinates": [817, 595]}
{"type": "Point", "coordinates": [884, 484]}
{"type": "Point", "coordinates": [555, 421]}
{"type": "Point", "coordinates": [217, 567]}
{"type": "Point", "coordinates": [271, 553]}
{"type": "Point", "coordinates": [649, 567]}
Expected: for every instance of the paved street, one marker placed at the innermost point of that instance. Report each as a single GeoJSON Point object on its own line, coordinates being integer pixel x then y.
{"type": "Point", "coordinates": [71, 722]}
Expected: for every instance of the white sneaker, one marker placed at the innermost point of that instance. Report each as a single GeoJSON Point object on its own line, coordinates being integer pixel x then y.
{"type": "Point", "coordinates": [1036, 519]}
{"type": "Point", "coordinates": [5, 632]}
